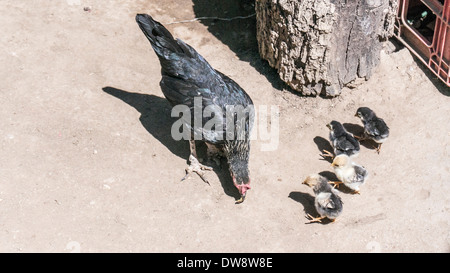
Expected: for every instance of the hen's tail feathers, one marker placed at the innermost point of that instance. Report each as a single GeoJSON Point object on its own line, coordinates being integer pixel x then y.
{"type": "Point", "coordinates": [161, 39]}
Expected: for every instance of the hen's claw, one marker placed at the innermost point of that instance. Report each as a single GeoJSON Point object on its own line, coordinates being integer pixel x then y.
{"type": "Point", "coordinates": [198, 168]}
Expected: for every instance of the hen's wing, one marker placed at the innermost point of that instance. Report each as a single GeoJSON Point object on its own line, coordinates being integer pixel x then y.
{"type": "Point", "coordinates": [188, 79]}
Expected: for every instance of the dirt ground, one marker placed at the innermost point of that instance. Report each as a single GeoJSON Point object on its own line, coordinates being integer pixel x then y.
{"type": "Point", "coordinates": [87, 163]}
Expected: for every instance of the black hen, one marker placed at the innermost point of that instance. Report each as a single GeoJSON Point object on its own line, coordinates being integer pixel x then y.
{"type": "Point", "coordinates": [188, 77]}
{"type": "Point", "coordinates": [374, 127]}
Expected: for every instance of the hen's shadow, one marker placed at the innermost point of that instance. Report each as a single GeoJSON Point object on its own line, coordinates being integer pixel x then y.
{"type": "Point", "coordinates": [156, 119]}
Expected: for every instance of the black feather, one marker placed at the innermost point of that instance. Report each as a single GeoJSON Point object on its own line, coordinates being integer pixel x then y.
{"type": "Point", "coordinates": [186, 75]}
{"type": "Point", "coordinates": [374, 127]}
{"type": "Point", "coordinates": [360, 173]}
{"type": "Point", "coordinates": [334, 205]}
{"type": "Point", "coordinates": [343, 141]}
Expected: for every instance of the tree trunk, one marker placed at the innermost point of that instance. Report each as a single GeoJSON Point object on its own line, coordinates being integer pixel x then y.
{"type": "Point", "coordinates": [322, 46]}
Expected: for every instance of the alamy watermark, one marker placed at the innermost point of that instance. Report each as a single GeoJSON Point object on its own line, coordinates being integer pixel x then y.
{"type": "Point", "coordinates": [208, 122]}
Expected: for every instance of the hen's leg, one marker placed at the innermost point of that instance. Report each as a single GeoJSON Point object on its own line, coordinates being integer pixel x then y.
{"type": "Point", "coordinates": [213, 153]}
{"type": "Point", "coordinates": [194, 165]}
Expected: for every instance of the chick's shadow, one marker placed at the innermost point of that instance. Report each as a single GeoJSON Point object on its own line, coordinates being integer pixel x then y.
{"type": "Point", "coordinates": [306, 199]}
{"type": "Point", "coordinates": [156, 119]}
{"type": "Point", "coordinates": [323, 144]}
{"type": "Point", "coordinates": [358, 130]}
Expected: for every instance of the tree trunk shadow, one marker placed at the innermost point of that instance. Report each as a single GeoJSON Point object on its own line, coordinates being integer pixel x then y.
{"type": "Point", "coordinates": [239, 34]}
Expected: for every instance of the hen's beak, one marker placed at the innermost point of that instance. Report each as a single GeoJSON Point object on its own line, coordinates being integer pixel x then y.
{"type": "Point", "coordinates": [242, 188]}
{"type": "Point", "coordinates": [243, 191]}
{"type": "Point", "coordinates": [240, 200]}
{"type": "Point", "coordinates": [329, 126]}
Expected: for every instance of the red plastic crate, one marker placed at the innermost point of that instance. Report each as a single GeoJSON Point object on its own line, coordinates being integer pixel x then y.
{"type": "Point", "coordinates": [423, 27]}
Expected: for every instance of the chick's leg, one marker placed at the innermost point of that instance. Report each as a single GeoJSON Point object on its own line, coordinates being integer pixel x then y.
{"type": "Point", "coordinates": [326, 153]}
{"type": "Point", "coordinates": [314, 219]}
{"type": "Point", "coordinates": [335, 183]}
{"type": "Point", "coordinates": [194, 165]}
{"type": "Point", "coordinates": [378, 148]}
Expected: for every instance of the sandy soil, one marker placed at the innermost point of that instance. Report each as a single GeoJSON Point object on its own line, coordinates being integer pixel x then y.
{"type": "Point", "coordinates": [93, 169]}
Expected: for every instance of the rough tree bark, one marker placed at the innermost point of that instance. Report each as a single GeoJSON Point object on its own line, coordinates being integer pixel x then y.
{"type": "Point", "coordinates": [322, 46]}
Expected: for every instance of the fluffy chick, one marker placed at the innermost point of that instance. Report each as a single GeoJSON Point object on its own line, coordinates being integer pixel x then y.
{"type": "Point", "coordinates": [349, 173]}
{"type": "Point", "coordinates": [327, 203]}
{"type": "Point", "coordinates": [342, 141]}
{"type": "Point", "coordinates": [374, 127]}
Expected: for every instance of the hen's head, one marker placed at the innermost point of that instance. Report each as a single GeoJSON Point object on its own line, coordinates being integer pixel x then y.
{"type": "Point", "coordinates": [240, 174]}
{"type": "Point", "coordinates": [238, 153]}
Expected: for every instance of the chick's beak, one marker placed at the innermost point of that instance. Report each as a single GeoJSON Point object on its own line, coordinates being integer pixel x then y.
{"type": "Point", "coordinates": [329, 126]}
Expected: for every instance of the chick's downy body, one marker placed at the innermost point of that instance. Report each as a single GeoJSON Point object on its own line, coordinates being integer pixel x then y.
{"type": "Point", "coordinates": [374, 127]}
{"type": "Point", "coordinates": [187, 80]}
{"type": "Point", "coordinates": [342, 141]}
{"type": "Point", "coordinates": [327, 202]}
{"type": "Point", "coordinates": [349, 173]}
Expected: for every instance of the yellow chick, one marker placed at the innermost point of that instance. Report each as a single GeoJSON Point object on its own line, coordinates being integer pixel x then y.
{"type": "Point", "coordinates": [349, 173]}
